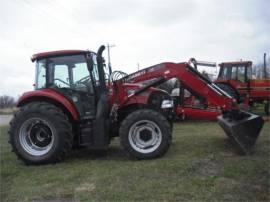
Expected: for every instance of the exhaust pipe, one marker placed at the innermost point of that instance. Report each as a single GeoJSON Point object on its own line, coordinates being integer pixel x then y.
{"type": "Point", "coordinates": [242, 127]}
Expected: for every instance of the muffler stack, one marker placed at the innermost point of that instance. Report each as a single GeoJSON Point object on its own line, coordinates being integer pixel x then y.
{"type": "Point", "coordinates": [242, 127]}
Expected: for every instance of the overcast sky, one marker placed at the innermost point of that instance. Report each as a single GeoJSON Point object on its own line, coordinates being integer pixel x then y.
{"type": "Point", "coordinates": [144, 31]}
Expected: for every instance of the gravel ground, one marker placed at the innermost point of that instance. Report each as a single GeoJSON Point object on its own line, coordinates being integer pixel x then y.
{"type": "Point", "coordinates": [4, 119]}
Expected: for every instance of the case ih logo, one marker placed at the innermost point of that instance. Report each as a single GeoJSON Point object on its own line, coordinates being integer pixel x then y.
{"type": "Point", "coordinates": [136, 74]}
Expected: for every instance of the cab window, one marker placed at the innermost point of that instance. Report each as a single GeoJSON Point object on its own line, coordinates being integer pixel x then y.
{"type": "Point", "coordinates": [234, 73]}
{"type": "Point", "coordinates": [61, 76]}
{"type": "Point", "coordinates": [241, 73]}
{"type": "Point", "coordinates": [64, 72]}
{"type": "Point", "coordinates": [40, 74]}
{"type": "Point", "coordinates": [225, 73]}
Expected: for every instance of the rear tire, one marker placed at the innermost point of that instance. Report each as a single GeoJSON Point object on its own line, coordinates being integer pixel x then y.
{"type": "Point", "coordinates": [228, 89]}
{"type": "Point", "coordinates": [40, 133]}
{"type": "Point", "coordinates": [145, 134]}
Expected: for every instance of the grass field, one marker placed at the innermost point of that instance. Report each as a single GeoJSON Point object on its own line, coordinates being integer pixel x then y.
{"type": "Point", "coordinates": [8, 111]}
{"type": "Point", "coordinates": [201, 165]}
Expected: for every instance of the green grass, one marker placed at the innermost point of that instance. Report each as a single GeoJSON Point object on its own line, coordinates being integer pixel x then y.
{"type": "Point", "coordinates": [201, 165]}
{"type": "Point", "coordinates": [7, 111]}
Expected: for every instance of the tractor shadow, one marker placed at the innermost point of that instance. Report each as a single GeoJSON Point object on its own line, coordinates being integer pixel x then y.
{"type": "Point", "coordinates": [114, 152]}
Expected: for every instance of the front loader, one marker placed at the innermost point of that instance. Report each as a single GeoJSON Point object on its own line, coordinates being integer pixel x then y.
{"type": "Point", "coordinates": [73, 104]}
{"type": "Point", "coordinates": [243, 128]}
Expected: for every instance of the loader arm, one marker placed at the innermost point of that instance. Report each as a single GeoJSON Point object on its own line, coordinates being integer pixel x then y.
{"type": "Point", "coordinates": [190, 78]}
{"type": "Point", "coordinates": [240, 126]}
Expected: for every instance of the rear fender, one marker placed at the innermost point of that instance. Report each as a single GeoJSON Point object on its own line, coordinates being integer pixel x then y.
{"type": "Point", "coordinates": [51, 96]}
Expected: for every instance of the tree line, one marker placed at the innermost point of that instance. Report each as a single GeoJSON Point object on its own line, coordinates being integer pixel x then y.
{"type": "Point", "coordinates": [258, 69]}
{"type": "Point", "coordinates": [7, 101]}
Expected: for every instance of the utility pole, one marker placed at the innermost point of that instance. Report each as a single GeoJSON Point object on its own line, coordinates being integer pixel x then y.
{"type": "Point", "coordinates": [109, 57]}
{"type": "Point", "coordinates": [264, 65]}
{"type": "Point", "coordinates": [138, 66]}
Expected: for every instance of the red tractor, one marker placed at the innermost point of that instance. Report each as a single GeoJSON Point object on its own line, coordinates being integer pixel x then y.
{"type": "Point", "coordinates": [236, 79]}
{"type": "Point", "coordinates": [74, 104]}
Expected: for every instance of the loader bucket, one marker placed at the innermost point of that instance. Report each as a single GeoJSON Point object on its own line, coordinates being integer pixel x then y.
{"type": "Point", "coordinates": [242, 128]}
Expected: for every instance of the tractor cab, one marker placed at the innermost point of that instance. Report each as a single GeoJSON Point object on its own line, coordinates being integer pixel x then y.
{"type": "Point", "coordinates": [73, 73]}
{"type": "Point", "coordinates": [65, 72]}
{"type": "Point", "coordinates": [237, 71]}
{"type": "Point", "coordinates": [235, 78]}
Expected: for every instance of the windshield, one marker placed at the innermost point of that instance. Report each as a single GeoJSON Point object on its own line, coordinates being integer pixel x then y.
{"type": "Point", "coordinates": [235, 72]}
{"type": "Point", "coordinates": [63, 72]}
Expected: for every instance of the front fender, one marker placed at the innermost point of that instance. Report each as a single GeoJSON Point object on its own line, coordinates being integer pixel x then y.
{"type": "Point", "coordinates": [49, 95]}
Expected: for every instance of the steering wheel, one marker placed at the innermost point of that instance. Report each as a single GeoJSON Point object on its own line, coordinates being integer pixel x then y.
{"type": "Point", "coordinates": [82, 80]}
{"type": "Point", "coordinates": [62, 81]}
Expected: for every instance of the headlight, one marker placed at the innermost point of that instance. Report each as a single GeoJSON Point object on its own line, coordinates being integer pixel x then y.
{"type": "Point", "coordinates": [167, 104]}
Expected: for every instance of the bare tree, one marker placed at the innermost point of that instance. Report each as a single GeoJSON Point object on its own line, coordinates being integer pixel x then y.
{"type": "Point", "coordinates": [7, 101]}
{"type": "Point", "coordinates": [258, 69]}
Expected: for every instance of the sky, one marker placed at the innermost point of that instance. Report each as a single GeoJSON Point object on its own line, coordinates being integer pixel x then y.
{"type": "Point", "coordinates": [144, 32]}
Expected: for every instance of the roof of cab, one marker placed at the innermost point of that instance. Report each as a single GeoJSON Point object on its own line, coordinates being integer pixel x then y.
{"type": "Point", "coordinates": [38, 56]}
{"type": "Point", "coordinates": [235, 63]}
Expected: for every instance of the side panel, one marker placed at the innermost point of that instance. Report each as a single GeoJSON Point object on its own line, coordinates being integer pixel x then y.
{"type": "Point", "coordinates": [193, 113]}
{"type": "Point", "coordinates": [50, 94]}
{"type": "Point", "coordinates": [257, 90]}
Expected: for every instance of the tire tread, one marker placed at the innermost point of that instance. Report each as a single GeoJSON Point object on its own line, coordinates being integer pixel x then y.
{"type": "Point", "coordinates": [63, 126]}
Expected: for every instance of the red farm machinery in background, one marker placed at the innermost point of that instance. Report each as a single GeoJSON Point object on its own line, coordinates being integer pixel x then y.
{"type": "Point", "coordinates": [237, 80]}
{"type": "Point", "coordinates": [234, 78]}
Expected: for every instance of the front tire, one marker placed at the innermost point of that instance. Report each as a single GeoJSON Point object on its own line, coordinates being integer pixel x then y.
{"type": "Point", "coordinates": [40, 133]}
{"type": "Point", "coordinates": [145, 134]}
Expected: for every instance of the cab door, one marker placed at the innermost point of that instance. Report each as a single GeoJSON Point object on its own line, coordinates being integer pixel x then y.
{"type": "Point", "coordinates": [241, 81]}
{"type": "Point", "coordinates": [69, 75]}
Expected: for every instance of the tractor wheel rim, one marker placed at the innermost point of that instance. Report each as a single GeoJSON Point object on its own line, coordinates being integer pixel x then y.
{"type": "Point", "coordinates": [36, 137]}
{"type": "Point", "coordinates": [145, 136]}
